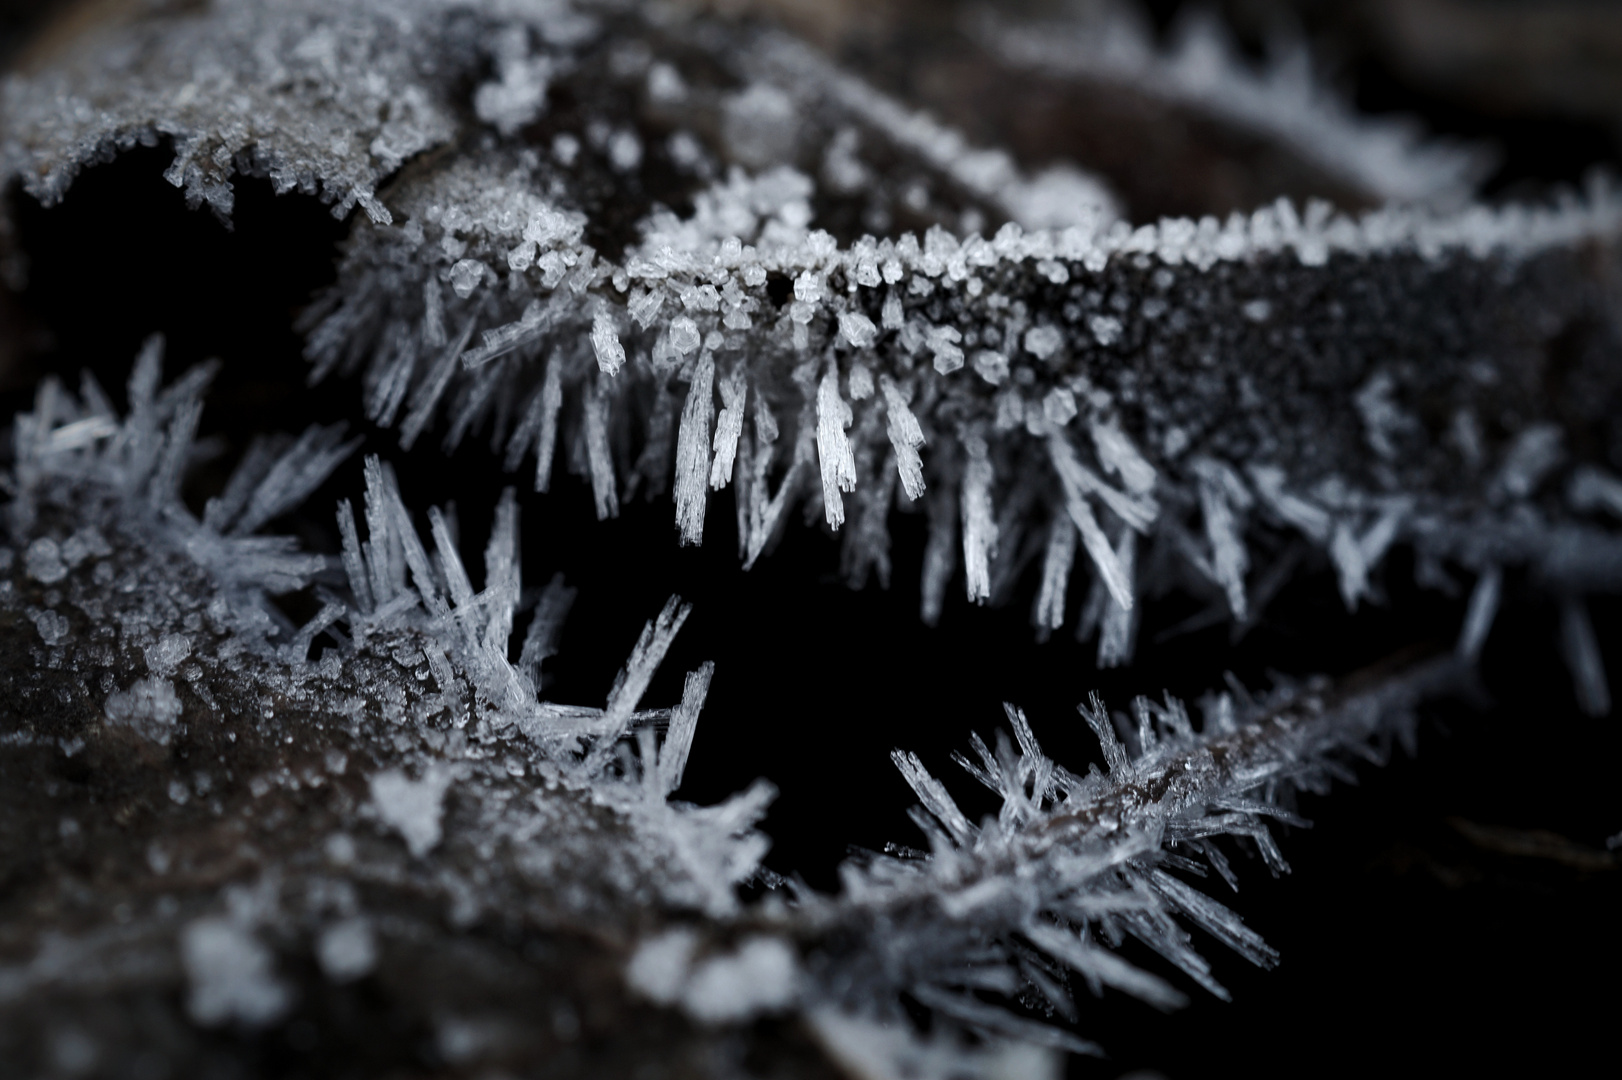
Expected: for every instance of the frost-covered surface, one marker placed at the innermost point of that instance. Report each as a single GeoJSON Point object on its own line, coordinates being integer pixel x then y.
{"type": "Point", "coordinates": [332, 792]}
{"type": "Point", "coordinates": [641, 247]}
{"type": "Point", "coordinates": [648, 257]}
{"type": "Point", "coordinates": [1176, 406]}
{"type": "Point", "coordinates": [298, 799]}
{"type": "Point", "coordinates": [1073, 865]}
{"type": "Point", "coordinates": [309, 94]}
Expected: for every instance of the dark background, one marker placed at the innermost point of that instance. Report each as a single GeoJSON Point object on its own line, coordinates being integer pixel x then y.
{"type": "Point", "coordinates": [1415, 937]}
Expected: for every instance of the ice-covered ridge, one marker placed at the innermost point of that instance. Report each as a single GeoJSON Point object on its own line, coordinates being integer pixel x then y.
{"type": "Point", "coordinates": [1312, 234]}
{"type": "Point", "coordinates": [1172, 392]}
{"type": "Point", "coordinates": [1286, 100]}
{"type": "Point", "coordinates": [1071, 866]}
{"type": "Point", "coordinates": [1044, 359]}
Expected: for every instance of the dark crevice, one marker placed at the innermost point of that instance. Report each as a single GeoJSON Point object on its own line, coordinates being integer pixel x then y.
{"type": "Point", "coordinates": [121, 258]}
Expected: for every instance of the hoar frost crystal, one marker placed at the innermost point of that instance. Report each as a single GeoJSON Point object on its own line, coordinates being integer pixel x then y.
{"type": "Point", "coordinates": [673, 254]}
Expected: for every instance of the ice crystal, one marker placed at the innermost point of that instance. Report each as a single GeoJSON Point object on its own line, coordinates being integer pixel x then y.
{"type": "Point", "coordinates": [430, 731]}
{"type": "Point", "coordinates": [445, 744]}
{"type": "Point", "coordinates": [690, 279]}
{"type": "Point", "coordinates": [1185, 380]}
{"type": "Point", "coordinates": [148, 707]}
{"type": "Point", "coordinates": [347, 950]}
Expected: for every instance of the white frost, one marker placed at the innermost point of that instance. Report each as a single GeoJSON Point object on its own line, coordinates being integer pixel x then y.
{"type": "Point", "coordinates": [693, 452]}
{"type": "Point", "coordinates": [1043, 342]}
{"type": "Point", "coordinates": [605, 342]}
{"type": "Point", "coordinates": [413, 808]}
{"type": "Point", "coordinates": [833, 447]}
{"type": "Point", "coordinates": [43, 561]}
{"type": "Point", "coordinates": [231, 976]}
{"type": "Point", "coordinates": [979, 519]}
{"type": "Point", "coordinates": [857, 329]}
{"type": "Point", "coordinates": [659, 967]}
{"type": "Point", "coordinates": [905, 438]}
{"type": "Point", "coordinates": [761, 977]}
{"type": "Point", "coordinates": [149, 708]}
{"type": "Point", "coordinates": [1478, 617]}
{"type": "Point", "coordinates": [347, 950]}
{"type": "Point", "coordinates": [1581, 649]}
{"type": "Point", "coordinates": [1223, 497]}
{"type": "Point", "coordinates": [165, 656]}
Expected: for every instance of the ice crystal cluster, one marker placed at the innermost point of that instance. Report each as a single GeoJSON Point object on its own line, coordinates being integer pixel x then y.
{"type": "Point", "coordinates": [1175, 402]}
{"type": "Point", "coordinates": [426, 774]}
{"type": "Point", "coordinates": [672, 254]}
{"type": "Point", "coordinates": [415, 726]}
